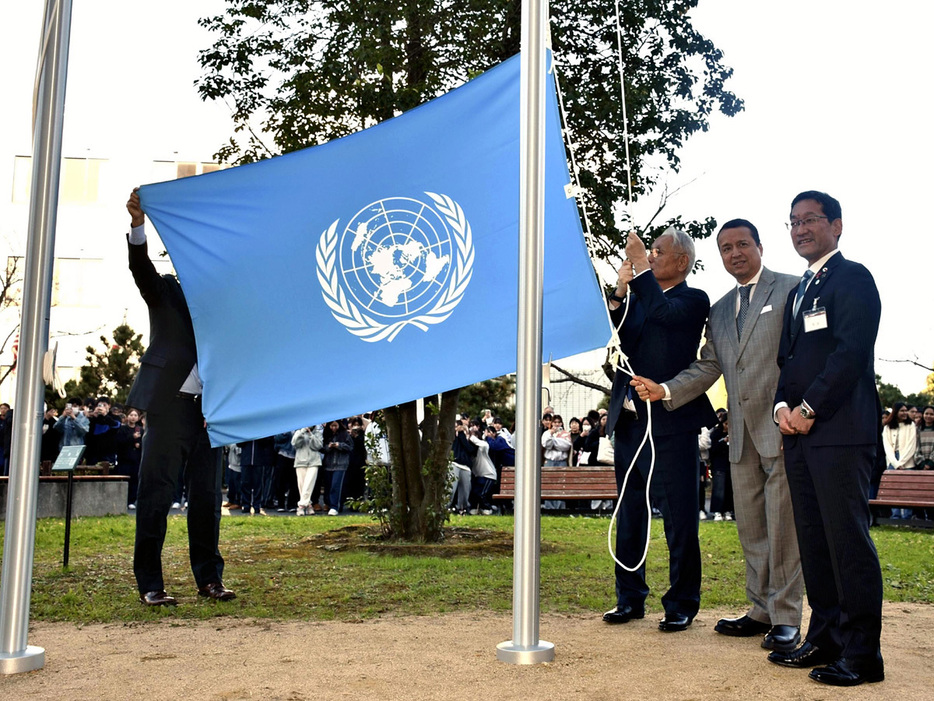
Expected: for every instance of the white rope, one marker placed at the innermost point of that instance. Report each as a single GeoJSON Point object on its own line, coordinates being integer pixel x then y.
{"type": "Point", "coordinates": [624, 365]}
{"type": "Point", "coordinates": [622, 96]}
{"type": "Point", "coordinates": [620, 361]}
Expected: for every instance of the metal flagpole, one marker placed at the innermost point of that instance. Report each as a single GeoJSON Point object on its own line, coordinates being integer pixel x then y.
{"type": "Point", "coordinates": [20, 539]}
{"type": "Point", "coordinates": [525, 647]}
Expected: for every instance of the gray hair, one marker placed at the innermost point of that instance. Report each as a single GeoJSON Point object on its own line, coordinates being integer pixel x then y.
{"type": "Point", "coordinates": [682, 242]}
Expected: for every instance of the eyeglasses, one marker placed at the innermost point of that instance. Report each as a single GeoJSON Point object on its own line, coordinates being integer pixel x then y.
{"type": "Point", "coordinates": [810, 221]}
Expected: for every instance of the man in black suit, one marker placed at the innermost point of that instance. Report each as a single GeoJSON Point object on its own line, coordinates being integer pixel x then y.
{"type": "Point", "coordinates": [664, 319]}
{"type": "Point", "coordinates": [168, 389]}
{"type": "Point", "coordinates": [827, 408]}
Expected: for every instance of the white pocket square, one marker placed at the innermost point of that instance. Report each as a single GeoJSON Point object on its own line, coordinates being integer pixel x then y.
{"type": "Point", "coordinates": [766, 308]}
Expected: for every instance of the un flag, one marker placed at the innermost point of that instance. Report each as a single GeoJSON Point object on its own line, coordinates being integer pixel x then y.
{"type": "Point", "coordinates": [373, 269]}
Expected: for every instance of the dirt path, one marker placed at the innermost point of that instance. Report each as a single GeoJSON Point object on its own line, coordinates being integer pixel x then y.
{"type": "Point", "coordinates": [442, 657]}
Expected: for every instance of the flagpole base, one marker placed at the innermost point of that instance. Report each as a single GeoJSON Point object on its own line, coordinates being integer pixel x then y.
{"type": "Point", "coordinates": [28, 660]}
{"type": "Point", "coordinates": [515, 654]}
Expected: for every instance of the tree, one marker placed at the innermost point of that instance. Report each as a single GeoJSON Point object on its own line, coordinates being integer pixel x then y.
{"type": "Point", "coordinates": [109, 371]}
{"type": "Point", "coordinates": [888, 393]}
{"type": "Point", "coordinates": [498, 395]}
{"type": "Point", "coordinates": [299, 73]}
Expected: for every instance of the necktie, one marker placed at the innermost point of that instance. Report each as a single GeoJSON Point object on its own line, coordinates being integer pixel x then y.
{"type": "Point", "coordinates": [744, 291]}
{"type": "Point", "coordinates": [802, 286]}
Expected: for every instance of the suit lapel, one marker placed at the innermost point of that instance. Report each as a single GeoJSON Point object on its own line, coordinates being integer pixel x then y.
{"type": "Point", "coordinates": [814, 291]}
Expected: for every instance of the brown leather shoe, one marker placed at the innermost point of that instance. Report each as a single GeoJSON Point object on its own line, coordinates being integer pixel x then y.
{"type": "Point", "coordinates": [216, 591]}
{"type": "Point", "coordinates": [157, 598]}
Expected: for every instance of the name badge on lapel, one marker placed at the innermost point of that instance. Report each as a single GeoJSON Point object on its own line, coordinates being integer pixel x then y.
{"type": "Point", "coordinates": [815, 318]}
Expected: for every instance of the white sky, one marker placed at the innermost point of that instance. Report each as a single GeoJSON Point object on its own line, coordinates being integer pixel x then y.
{"type": "Point", "coordinates": [835, 94]}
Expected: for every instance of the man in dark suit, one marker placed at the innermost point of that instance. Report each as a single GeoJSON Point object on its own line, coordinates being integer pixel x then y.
{"type": "Point", "coordinates": [168, 389]}
{"type": "Point", "coordinates": [827, 408]}
{"type": "Point", "coordinates": [742, 343]}
{"type": "Point", "coordinates": [661, 324]}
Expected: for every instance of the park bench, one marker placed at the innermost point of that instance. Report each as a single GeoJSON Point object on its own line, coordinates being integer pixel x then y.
{"type": "Point", "coordinates": [906, 489]}
{"type": "Point", "coordinates": [583, 482]}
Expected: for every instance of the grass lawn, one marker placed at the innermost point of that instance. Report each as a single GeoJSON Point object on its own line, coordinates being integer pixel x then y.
{"type": "Point", "coordinates": [333, 568]}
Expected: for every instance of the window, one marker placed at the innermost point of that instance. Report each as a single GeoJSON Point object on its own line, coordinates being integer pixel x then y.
{"type": "Point", "coordinates": [79, 183]}
{"type": "Point", "coordinates": [172, 170]}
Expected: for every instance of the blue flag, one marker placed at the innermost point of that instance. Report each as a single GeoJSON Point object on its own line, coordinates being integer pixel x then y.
{"type": "Point", "coordinates": [373, 269]}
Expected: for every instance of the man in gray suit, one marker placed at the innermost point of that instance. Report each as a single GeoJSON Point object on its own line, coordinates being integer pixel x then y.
{"type": "Point", "coordinates": [743, 333]}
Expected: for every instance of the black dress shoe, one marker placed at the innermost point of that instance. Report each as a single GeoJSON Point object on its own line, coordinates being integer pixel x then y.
{"type": "Point", "coordinates": [807, 655]}
{"type": "Point", "coordinates": [216, 591]}
{"type": "Point", "coordinates": [623, 614]}
{"type": "Point", "coordinates": [674, 622]}
{"type": "Point", "coordinates": [157, 598]}
{"type": "Point", "coordinates": [849, 672]}
{"type": "Point", "coordinates": [742, 627]}
{"type": "Point", "coordinates": [782, 638]}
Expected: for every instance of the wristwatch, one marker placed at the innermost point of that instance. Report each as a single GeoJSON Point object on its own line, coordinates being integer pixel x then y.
{"type": "Point", "coordinates": [618, 300]}
{"type": "Point", "coordinates": [806, 413]}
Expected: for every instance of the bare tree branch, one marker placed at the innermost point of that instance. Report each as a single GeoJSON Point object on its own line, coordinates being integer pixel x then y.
{"type": "Point", "coordinates": [574, 378]}
{"type": "Point", "coordinates": [903, 360]}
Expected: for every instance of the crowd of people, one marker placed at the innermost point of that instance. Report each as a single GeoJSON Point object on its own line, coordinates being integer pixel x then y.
{"type": "Point", "coordinates": [312, 469]}
{"type": "Point", "coordinates": [907, 444]}
{"type": "Point", "coordinates": [110, 433]}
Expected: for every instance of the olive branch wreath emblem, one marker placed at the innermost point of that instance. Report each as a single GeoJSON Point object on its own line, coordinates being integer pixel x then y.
{"type": "Point", "coordinates": [365, 326]}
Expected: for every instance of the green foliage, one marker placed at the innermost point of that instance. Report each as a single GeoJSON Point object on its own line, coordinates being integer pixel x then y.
{"type": "Point", "coordinates": [498, 395]}
{"type": "Point", "coordinates": [303, 72]}
{"type": "Point", "coordinates": [920, 399]}
{"type": "Point", "coordinates": [377, 501]}
{"type": "Point", "coordinates": [312, 569]}
{"type": "Point", "coordinates": [109, 371]}
{"type": "Point", "coordinates": [889, 394]}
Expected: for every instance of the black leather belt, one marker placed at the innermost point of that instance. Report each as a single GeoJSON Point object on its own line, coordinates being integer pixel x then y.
{"type": "Point", "coordinates": [188, 397]}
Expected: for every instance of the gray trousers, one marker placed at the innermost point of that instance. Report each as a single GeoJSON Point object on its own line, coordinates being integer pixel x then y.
{"type": "Point", "coordinates": [766, 527]}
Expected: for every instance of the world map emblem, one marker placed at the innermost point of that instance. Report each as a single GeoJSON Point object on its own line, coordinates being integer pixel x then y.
{"type": "Point", "coordinates": [398, 262]}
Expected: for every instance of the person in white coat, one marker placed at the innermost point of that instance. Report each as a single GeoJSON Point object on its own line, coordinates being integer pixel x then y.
{"type": "Point", "coordinates": [307, 442]}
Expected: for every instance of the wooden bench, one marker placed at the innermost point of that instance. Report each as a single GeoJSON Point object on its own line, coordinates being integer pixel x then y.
{"type": "Point", "coordinates": [906, 489]}
{"type": "Point", "coordinates": [585, 482]}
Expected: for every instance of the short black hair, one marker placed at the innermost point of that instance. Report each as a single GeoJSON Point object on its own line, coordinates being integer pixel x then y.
{"type": "Point", "coordinates": [829, 205]}
{"type": "Point", "coordinates": [737, 223]}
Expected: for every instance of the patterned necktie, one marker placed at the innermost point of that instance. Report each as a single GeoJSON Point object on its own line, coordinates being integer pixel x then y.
{"type": "Point", "coordinates": [802, 286]}
{"type": "Point", "coordinates": [744, 291]}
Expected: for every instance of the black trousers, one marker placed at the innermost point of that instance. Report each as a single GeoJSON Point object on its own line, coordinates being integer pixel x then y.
{"type": "Point", "coordinates": [675, 486]}
{"type": "Point", "coordinates": [829, 488]}
{"type": "Point", "coordinates": [176, 438]}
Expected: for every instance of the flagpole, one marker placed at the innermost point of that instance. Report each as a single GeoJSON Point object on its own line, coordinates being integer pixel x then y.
{"type": "Point", "coordinates": [23, 488]}
{"type": "Point", "coordinates": [525, 646]}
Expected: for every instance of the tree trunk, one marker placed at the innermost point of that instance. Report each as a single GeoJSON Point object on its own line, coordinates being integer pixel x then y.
{"type": "Point", "coordinates": [420, 467]}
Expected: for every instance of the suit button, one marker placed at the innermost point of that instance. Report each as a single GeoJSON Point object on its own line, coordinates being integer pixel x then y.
{"type": "Point", "coordinates": [791, 357]}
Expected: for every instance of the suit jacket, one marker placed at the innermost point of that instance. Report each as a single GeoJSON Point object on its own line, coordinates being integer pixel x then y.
{"type": "Point", "coordinates": [832, 368]}
{"type": "Point", "coordinates": [172, 353]}
{"type": "Point", "coordinates": [748, 364]}
{"type": "Point", "coordinates": [660, 336]}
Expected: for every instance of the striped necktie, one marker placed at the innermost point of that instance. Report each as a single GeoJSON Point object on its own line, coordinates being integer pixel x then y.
{"type": "Point", "coordinates": [802, 286]}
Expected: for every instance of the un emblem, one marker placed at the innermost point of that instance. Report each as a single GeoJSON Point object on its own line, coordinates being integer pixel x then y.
{"type": "Point", "coordinates": [398, 262]}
